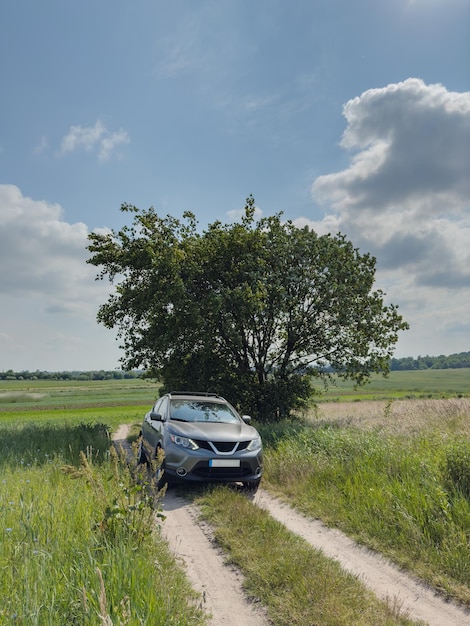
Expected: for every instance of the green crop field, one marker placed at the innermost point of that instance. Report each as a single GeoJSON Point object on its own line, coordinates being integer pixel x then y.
{"type": "Point", "coordinates": [112, 402]}
{"type": "Point", "coordinates": [21, 396]}
{"type": "Point", "coordinates": [404, 384]}
{"type": "Point", "coordinates": [50, 394]}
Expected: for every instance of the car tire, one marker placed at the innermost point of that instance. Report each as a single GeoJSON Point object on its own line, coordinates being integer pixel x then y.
{"type": "Point", "coordinates": [162, 479]}
{"type": "Point", "coordinates": [141, 456]}
{"type": "Point", "coordinates": [252, 486]}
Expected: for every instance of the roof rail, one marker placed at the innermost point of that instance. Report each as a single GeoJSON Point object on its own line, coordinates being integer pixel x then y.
{"type": "Point", "coordinates": [203, 394]}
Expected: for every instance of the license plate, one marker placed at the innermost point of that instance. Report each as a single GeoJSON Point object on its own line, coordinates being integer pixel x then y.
{"type": "Point", "coordinates": [224, 463]}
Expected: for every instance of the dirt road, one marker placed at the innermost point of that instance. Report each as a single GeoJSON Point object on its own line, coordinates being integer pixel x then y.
{"type": "Point", "coordinates": [220, 585]}
{"type": "Point", "coordinates": [383, 578]}
{"type": "Point", "coordinates": [221, 588]}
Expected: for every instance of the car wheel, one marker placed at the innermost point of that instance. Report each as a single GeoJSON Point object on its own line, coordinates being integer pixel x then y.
{"type": "Point", "coordinates": [252, 486]}
{"type": "Point", "coordinates": [141, 456]}
{"type": "Point", "coordinates": [162, 478]}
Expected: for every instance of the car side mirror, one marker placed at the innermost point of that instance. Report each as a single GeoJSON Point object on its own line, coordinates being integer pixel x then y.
{"type": "Point", "coordinates": [246, 419]}
{"type": "Point", "coordinates": [158, 417]}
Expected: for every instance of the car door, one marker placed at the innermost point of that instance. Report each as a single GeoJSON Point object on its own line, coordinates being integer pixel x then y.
{"type": "Point", "coordinates": [152, 429]}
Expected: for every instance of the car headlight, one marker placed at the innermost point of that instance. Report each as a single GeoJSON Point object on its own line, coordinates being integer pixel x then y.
{"type": "Point", "coordinates": [255, 444]}
{"type": "Point", "coordinates": [184, 442]}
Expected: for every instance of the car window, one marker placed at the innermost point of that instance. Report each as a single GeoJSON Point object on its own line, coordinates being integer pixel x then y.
{"type": "Point", "coordinates": [163, 407]}
{"type": "Point", "coordinates": [157, 405]}
{"type": "Point", "coordinates": [202, 411]}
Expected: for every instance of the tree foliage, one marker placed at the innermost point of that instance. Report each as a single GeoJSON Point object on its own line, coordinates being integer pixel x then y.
{"type": "Point", "coordinates": [255, 310]}
{"type": "Point", "coordinates": [441, 362]}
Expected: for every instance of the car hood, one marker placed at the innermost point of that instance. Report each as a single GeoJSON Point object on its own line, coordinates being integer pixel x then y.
{"type": "Point", "coordinates": [214, 431]}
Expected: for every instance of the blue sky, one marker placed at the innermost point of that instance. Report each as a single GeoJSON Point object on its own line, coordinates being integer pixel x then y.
{"type": "Point", "coordinates": [347, 116]}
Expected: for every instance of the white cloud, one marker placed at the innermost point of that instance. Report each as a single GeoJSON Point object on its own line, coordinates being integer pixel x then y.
{"type": "Point", "coordinates": [41, 146]}
{"type": "Point", "coordinates": [406, 193]}
{"type": "Point", "coordinates": [414, 149]}
{"type": "Point", "coordinates": [91, 138]}
{"type": "Point", "coordinates": [405, 197]}
{"type": "Point", "coordinates": [109, 143]}
{"type": "Point", "coordinates": [214, 63]}
{"type": "Point", "coordinates": [39, 251]}
{"type": "Point", "coordinates": [49, 293]}
{"type": "Point", "coordinates": [86, 137]}
{"type": "Point", "coordinates": [180, 56]}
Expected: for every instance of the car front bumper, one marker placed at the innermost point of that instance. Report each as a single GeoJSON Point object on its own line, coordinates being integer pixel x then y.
{"type": "Point", "coordinates": [200, 466]}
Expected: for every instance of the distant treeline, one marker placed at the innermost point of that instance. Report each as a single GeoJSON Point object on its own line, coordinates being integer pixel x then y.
{"type": "Point", "coordinates": [453, 361]}
{"type": "Point", "coordinates": [76, 375]}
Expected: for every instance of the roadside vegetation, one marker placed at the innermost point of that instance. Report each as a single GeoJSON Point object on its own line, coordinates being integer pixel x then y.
{"type": "Point", "coordinates": [78, 543]}
{"type": "Point", "coordinates": [390, 468]}
{"type": "Point", "coordinates": [399, 481]}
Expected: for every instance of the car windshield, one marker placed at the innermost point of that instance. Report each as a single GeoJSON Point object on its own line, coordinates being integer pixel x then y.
{"type": "Point", "coordinates": [202, 411]}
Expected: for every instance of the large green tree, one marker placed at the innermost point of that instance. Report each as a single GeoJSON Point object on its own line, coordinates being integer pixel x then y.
{"type": "Point", "coordinates": [255, 310]}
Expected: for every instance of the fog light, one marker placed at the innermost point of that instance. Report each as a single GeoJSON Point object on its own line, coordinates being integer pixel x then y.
{"type": "Point", "coordinates": [181, 471]}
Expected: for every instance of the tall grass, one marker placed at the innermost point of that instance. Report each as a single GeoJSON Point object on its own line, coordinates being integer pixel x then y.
{"type": "Point", "coordinates": [407, 496]}
{"type": "Point", "coordinates": [78, 542]}
{"type": "Point", "coordinates": [31, 443]}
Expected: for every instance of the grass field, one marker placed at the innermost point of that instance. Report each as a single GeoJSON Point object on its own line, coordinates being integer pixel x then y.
{"type": "Point", "coordinates": [51, 394]}
{"type": "Point", "coordinates": [78, 540]}
{"type": "Point", "coordinates": [47, 395]}
{"type": "Point", "coordinates": [406, 384]}
{"type": "Point", "coordinates": [390, 465]}
{"type": "Point", "coordinates": [393, 474]}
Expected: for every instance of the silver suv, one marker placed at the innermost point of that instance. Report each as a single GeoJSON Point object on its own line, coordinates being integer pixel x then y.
{"type": "Point", "coordinates": [203, 439]}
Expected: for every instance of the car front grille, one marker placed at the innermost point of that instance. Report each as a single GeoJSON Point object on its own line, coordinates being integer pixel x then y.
{"type": "Point", "coordinates": [222, 447]}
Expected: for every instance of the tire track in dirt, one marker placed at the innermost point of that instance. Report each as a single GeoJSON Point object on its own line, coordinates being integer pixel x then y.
{"type": "Point", "coordinates": [192, 543]}
{"type": "Point", "coordinates": [386, 580]}
{"type": "Point", "coordinates": [219, 584]}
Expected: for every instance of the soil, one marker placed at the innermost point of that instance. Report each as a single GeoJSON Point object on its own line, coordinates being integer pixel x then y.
{"type": "Point", "coordinates": [221, 585]}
